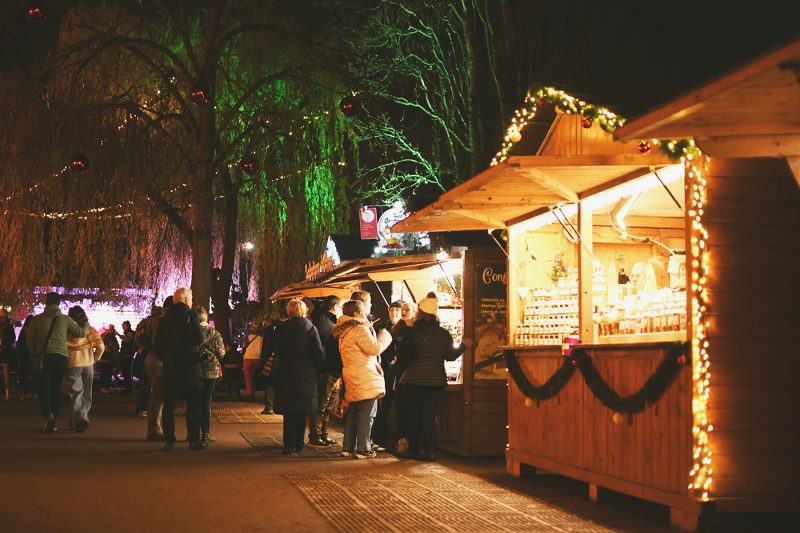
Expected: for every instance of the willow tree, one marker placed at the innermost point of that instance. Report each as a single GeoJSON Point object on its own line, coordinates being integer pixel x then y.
{"type": "Point", "coordinates": [213, 122]}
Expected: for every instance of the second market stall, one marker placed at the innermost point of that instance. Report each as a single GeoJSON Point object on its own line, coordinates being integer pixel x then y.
{"type": "Point", "coordinates": [471, 288]}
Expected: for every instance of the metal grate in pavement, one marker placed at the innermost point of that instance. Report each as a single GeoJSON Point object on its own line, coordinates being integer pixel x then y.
{"type": "Point", "coordinates": [245, 416]}
{"type": "Point", "coordinates": [438, 502]}
{"type": "Point", "coordinates": [271, 445]}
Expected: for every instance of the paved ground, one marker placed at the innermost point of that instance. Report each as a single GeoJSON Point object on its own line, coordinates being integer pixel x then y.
{"type": "Point", "coordinates": [110, 478]}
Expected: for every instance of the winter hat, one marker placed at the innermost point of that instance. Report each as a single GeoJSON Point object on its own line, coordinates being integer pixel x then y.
{"type": "Point", "coordinates": [398, 304]}
{"type": "Point", "coordinates": [429, 305]}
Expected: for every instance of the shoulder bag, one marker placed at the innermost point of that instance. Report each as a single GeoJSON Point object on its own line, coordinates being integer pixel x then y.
{"type": "Point", "coordinates": [37, 359]}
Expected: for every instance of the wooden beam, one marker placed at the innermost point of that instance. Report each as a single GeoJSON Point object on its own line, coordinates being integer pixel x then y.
{"type": "Point", "coordinates": [585, 268]}
{"type": "Point", "coordinates": [645, 125]}
{"type": "Point", "coordinates": [625, 178]}
{"type": "Point", "coordinates": [602, 160]}
{"type": "Point", "coordinates": [751, 146]}
{"type": "Point", "coordinates": [541, 179]}
{"type": "Point", "coordinates": [643, 222]}
{"type": "Point", "coordinates": [725, 126]}
{"type": "Point", "coordinates": [525, 216]}
{"type": "Point", "coordinates": [490, 222]}
{"type": "Point", "coordinates": [794, 164]}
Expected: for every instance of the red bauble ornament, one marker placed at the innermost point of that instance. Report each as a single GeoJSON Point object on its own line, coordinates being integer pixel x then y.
{"type": "Point", "coordinates": [249, 165]}
{"type": "Point", "coordinates": [348, 106]}
{"type": "Point", "coordinates": [681, 359]}
{"type": "Point", "coordinates": [644, 147]}
{"type": "Point", "coordinates": [79, 163]}
{"type": "Point", "coordinates": [198, 93]}
{"type": "Point", "coordinates": [586, 122]}
{"type": "Point", "coordinates": [35, 12]}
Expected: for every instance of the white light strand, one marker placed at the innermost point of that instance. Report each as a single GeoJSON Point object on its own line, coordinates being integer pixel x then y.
{"type": "Point", "coordinates": [700, 475]}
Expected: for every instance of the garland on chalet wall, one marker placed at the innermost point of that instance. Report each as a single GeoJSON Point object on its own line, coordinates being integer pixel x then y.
{"type": "Point", "coordinates": [653, 389]}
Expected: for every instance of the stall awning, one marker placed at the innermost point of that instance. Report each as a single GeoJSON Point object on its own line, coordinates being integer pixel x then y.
{"type": "Point", "coordinates": [389, 268]}
{"type": "Point", "coordinates": [525, 186]}
{"type": "Point", "coordinates": [342, 280]}
{"type": "Point", "coordinates": [306, 289]}
{"type": "Point", "coordinates": [753, 111]}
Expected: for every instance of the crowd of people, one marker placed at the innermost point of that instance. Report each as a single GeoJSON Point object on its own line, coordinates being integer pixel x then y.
{"type": "Point", "coordinates": [335, 356]}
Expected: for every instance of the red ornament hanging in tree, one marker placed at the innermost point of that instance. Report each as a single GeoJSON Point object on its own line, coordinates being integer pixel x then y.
{"type": "Point", "coordinates": [198, 93]}
{"type": "Point", "coordinates": [348, 106]}
{"type": "Point", "coordinates": [249, 165]}
{"type": "Point", "coordinates": [644, 147]}
{"type": "Point", "coordinates": [681, 359]}
{"type": "Point", "coordinates": [586, 122]}
{"type": "Point", "coordinates": [35, 12]}
{"type": "Point", "coordinates": [79, 163]}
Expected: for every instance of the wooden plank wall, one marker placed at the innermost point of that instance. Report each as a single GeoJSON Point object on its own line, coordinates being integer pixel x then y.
{"type": "Point", "coordinates": [653, 450]}
{"type": "Point", "coordinates": [753, 219]}
{"type": "Point", "coordinates": [568, 138]}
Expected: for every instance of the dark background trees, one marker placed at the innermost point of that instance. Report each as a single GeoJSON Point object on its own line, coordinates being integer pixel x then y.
{"type": "Point", "coordinates": [174, 187]}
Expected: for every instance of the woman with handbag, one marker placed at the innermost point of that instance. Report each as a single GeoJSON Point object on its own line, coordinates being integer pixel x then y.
{"type": "Point", "coordinates": [212, 352]}
{"type": "Point", "coordinates": [421, 356]}
{"type": "Point", "coordinates": [300, 358]}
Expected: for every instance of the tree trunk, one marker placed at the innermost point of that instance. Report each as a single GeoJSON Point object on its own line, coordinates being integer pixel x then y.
{"type": "Point", "coordinates": [203, 206]}
{"type": "Point", "coordinates": [230, 245]}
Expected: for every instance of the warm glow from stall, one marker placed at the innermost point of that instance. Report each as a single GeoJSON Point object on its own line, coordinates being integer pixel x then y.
{"type": "Point", "coordinates": [603, 199]}
{"type": "Point", "coordinates": [700, 474]}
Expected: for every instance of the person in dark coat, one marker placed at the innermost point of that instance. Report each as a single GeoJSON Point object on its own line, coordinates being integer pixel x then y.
{"type": "Point", "coordinates": [421, 356]}
{"type": "Point", "coordinates": [380, 428]}
{"type": "Point", "coordinates": [300, 356]}
{"type": "Point", "coordinates": [324, 318]}
{"type": "Point", "coordinates": [178, 341]}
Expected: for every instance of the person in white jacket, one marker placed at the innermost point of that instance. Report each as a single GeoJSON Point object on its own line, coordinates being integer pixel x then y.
{"type": "Point", "coordinates": [360, 347]}
{"type": "Point", "coordinates": [83, 353]}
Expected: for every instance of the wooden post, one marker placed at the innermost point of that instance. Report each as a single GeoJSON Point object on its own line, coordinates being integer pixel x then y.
{"type": "Point", "coordinates": [683, 519]}
{"type": "Point", "coordinates": [594, 493]}
{"type": "Point", "coordinates": [585, 268]}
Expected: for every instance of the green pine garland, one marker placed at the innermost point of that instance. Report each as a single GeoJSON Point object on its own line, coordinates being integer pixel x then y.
{"type": "Point", "coordinates": [653, 389]}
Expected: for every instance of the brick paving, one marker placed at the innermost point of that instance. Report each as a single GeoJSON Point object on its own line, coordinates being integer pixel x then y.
{"type": "Point", "coordinates": [111, 478]}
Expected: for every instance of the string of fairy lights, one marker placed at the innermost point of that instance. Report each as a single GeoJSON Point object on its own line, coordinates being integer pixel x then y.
{"type": "Point", "coordinates": [700, 474]}
{"type": "Point", "coordinates": [108, 211]}
{"type": "Point", "coordinates": [695, 169]}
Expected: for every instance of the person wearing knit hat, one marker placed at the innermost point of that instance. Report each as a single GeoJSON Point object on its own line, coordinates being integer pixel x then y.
{"type": "Point", "coordinates": [421, 355]}
{"type": "Point", "coordinates": [429, 305]}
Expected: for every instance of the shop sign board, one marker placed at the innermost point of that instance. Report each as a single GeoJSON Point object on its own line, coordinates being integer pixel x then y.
{"type": "Point", "coordinates": [368, 218]}
{"type": "Point", "coordinates": [490, 316]}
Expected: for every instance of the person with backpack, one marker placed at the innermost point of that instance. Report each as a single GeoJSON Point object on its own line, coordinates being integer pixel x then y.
{"type": "Point", "coordinates": [212, 352]}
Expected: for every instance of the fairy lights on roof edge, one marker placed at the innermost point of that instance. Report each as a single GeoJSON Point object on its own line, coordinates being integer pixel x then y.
{"type": "Point", "coordinates": [696, 168]}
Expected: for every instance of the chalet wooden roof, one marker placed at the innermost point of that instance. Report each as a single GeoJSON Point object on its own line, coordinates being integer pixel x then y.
{"type": "Point", "coordinates": [348, 274]}
{"type": "Point", "coordinates": [753, 111]}
{"type": "Point", "coordinates": [573, 163]}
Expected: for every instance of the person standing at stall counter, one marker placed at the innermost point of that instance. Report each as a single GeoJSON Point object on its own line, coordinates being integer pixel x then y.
{"type": "Point", "coordinates": [425, 348]}
{"type": "Point", "coordinates": [380, 428]}
{"type": "Point", "coordinates": [362, 375]}
{"type": "Point", "coordinates": [47, 338]}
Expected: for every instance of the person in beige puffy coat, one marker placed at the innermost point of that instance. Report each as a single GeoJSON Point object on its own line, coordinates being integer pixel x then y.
{"type": "Point", "coordinates": [360, 347]}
